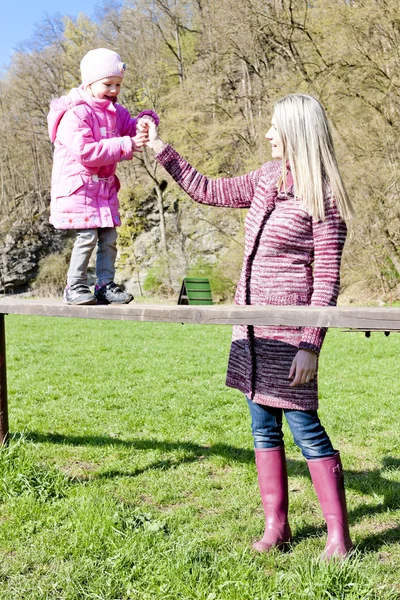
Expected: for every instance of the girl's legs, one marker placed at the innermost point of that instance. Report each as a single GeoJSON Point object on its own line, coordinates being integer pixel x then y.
{"type": "Point", "coordinates": [327, 476]}
{"type": "Point", "coordinates": [272, 475]}
{"type": "Point", "coordinates": [106, 291]}
{"type": "Point", "coordinates": [85, 242]}
{"type": "Point", "coordinates": [77, 290]}
{"type": "Point", "coordinates": [106, 255]}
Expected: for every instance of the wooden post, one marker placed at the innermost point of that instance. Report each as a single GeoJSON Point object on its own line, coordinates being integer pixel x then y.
{"type": "Point", "coordinates": [3, 384]}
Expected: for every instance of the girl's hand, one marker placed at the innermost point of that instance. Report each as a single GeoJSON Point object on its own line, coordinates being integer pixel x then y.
{"type": "Point", "coordinates": [139, 141]}
{"type": "Point", "coordinates": [154, 140]}
{"type": "Point", "coordinates": [304, 367]}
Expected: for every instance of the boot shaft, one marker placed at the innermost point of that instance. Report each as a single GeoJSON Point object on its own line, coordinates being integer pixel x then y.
{"type": "Point", "coordinates": [327, 477]}
{"type": "Point", "coordinates": [273, 484]}
{"type": "Point", "coordinates": [272, 477]}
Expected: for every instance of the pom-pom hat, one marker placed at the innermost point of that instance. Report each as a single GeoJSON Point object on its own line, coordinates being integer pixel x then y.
{"type": "Point", "coordinates": [100, 64]}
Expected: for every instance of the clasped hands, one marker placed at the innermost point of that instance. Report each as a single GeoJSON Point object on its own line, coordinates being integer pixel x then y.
{"type": "Point", "coordinates": [146, 133]}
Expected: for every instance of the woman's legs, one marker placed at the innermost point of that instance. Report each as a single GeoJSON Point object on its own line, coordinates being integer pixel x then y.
{"type": "Point", "coordinates": [309, 434]}
{"type": "Point", "coordinates": [325, 468]}
{"type": "Point", "coordinates": [266, 425]}
{"type": "Point", "coordinates": [272, 475]}
{"type": "Point", "coordinates": [327, 476]}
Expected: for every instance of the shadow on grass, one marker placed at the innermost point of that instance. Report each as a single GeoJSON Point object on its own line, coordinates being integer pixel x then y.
{"type": "Point", "coordinates": [241, 455]}
{"type": "Point", "coordinates": [382, 538]}
{"type": "Point", "coordinates": [371, 483]}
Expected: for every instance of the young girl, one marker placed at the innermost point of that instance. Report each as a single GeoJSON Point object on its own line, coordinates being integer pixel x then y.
{"type": "Point", "coordinates": [294, 237]}
{"type": "Point", "coordinates": [91, 133]}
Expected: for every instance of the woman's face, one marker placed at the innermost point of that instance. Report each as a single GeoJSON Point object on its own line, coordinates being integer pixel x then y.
{"type": "Point", "coordinates": [275, 140]}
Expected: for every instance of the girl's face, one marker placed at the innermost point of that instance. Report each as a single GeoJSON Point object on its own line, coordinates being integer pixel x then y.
{"type": "Point", "coordinates": [106, 89]}
{"type": "Point", "coordinates": [275, 140]}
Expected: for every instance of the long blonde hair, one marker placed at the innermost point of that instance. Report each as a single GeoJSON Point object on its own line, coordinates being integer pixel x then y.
{"type": "Point", "coordinates": [308, 147]}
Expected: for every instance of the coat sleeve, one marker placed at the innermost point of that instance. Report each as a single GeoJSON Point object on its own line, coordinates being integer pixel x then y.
{"type": "Point", "coordinates": [235, 192]}
{"type": "Point", "coordinates": [75, 133]}
{"type": "Point", "coordinates": [329, 238]}
{"type": "Point", "coordinates": [128, 123]}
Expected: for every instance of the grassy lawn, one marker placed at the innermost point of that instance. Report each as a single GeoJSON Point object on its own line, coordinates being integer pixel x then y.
{"type": "Point", "coordinates": [130, 473]}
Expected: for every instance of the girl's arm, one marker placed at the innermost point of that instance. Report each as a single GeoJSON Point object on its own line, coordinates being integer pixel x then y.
{"type": "Point", "coordinates": [329, 238]}
{"type": "Point", "coordinates": [75, 133]}
{"type": "Point", "coordinates": [235, 192]}
{"type": "Point", "coordinates": [128, 124]}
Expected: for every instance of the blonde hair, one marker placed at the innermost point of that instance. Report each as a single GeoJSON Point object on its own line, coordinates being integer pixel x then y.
{"type": "Point", "coordinates": [308, 146]}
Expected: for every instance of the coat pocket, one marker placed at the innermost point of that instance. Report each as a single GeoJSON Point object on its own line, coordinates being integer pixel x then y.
{"type": "Point", "coordinates": [69, 186]}
{"type": "Point", "coordinates": [286, 300]}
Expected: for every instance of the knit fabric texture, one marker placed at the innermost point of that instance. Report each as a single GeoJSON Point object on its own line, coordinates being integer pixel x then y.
{"type": "Point", "coordinates": [289, 259]}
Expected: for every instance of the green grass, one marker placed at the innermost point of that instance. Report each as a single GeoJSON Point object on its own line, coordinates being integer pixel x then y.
{"type": "Point", "coordinates": [130, 473]}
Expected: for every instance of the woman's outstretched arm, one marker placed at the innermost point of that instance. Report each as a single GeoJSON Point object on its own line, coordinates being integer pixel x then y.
{"type": "Point", "coordinates": [235, 192]}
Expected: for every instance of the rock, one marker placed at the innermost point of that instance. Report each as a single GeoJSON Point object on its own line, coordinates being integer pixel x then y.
{"type": "Point", "coordinates": [21, 249]}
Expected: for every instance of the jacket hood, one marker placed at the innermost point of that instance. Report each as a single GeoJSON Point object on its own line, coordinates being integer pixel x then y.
{"type": "Point", "coordinates": [75, 97]}
{"type": "Point", "coordinates": [59, 106]}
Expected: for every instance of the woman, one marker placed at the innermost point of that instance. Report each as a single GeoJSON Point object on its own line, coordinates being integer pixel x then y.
{"type": "Point", "coordinates": [294, 236]}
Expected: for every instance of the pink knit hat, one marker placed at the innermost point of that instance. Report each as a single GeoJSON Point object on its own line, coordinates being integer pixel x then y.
{"type": "Point", "coordinates": [100, 64]}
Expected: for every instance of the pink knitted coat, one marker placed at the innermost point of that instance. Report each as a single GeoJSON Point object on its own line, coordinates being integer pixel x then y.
{"type": "Point", "coordinates": [90, 137]}
{"type": "Point", "coordinates": [289, 259]}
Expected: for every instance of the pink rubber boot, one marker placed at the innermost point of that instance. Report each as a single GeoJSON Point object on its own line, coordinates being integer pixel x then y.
{"type": "Point", "coordinates": [327, 477]}
{"type": "Point", "coordinates": [273, 482]}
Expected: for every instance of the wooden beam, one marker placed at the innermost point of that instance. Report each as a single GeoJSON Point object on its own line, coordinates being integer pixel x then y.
{"type": "Point", "coordinates": [353, 317]}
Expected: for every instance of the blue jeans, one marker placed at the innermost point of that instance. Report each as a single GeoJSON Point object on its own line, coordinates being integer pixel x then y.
{"type": "Point", "coordinates": [308, 433]}
{"type": "Point", "coordinates": [105, 238]}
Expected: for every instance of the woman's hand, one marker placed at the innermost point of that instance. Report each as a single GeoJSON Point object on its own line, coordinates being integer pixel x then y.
{"type": "Point", "coordinates": [154, 140]}
{"type": "Point", "coordinates": [304, 367]}
{"type": "Point", "coordinates": [143, 123]}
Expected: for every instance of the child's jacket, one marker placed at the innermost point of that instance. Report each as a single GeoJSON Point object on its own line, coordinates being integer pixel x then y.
{"type": "Point", "coordinates": [90, 137]}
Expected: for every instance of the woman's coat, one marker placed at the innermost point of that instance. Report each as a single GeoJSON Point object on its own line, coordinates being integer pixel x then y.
{"type": "Point", "coordinates": [289, 259]}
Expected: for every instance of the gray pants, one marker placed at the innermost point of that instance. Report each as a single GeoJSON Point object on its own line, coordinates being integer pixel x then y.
{"type": "Point", "coordinates": [86, 240]}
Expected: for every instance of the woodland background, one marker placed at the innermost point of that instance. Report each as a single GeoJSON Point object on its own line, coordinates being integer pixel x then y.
{"type": "Point", "coordinates": [212, 69]}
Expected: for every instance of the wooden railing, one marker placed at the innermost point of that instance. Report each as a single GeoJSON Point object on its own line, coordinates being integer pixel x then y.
{"type": "Point", "coordinates": [350, 318]}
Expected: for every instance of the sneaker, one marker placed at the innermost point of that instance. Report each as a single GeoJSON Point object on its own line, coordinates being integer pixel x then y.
{"type": "Point", "coordinates": [78, 293]}
{"type": "Point", "coordinates": [109, 293]}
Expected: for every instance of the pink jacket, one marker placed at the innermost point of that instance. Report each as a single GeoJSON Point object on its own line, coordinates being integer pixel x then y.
{"type": "Point", "coordinates": [90, 137]}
